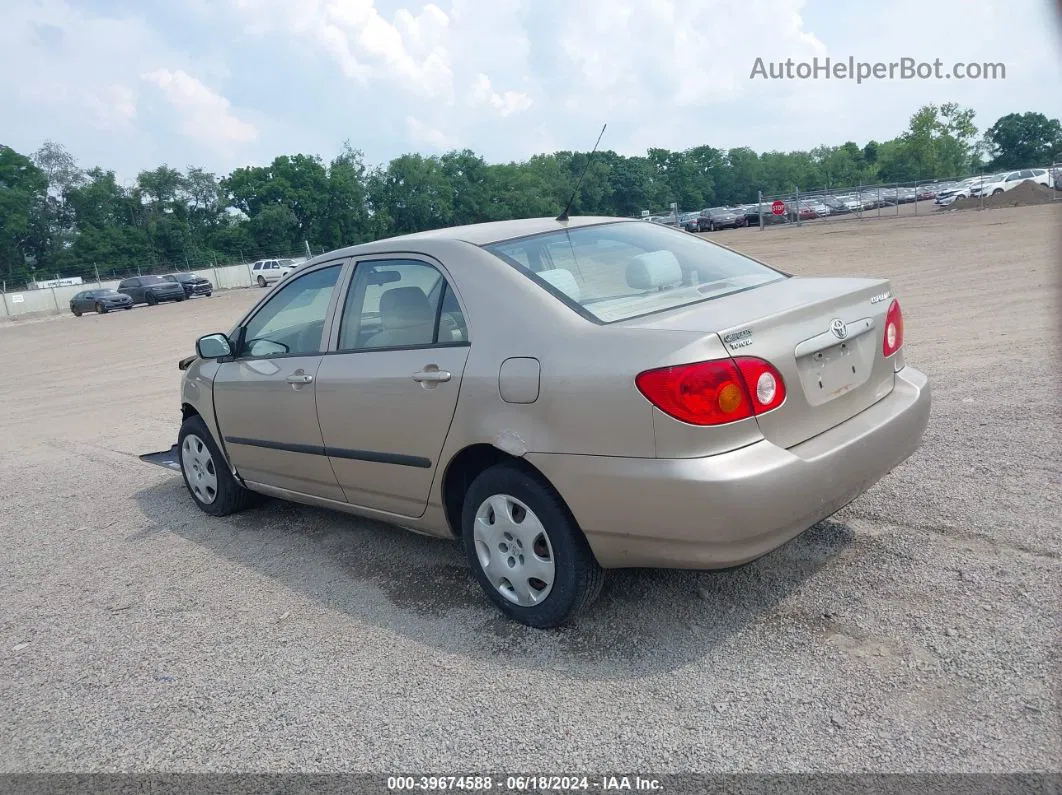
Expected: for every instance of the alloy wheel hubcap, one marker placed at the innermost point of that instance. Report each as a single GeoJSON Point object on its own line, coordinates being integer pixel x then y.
{"type": "Point", "coordinates": [198, 466]}
{"type": "Point", "coordinates": [514, 550]}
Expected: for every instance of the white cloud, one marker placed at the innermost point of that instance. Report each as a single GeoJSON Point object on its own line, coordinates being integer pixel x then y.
{"type": "Point", "coordinates": [205, 114]}
{"type": "Point", "coordinates": [506, 103]}
{"type": "Point", "coordinates": [506, 78]}
{"type": "Point", "coordinates": [423, 134]}
{"type": "Point", "coordinates": [409, 51]}
{"type": "Point", "coordinates": [112, 109]}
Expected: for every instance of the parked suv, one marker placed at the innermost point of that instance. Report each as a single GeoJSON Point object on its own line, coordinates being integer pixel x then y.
{"type": "Point", "coordinates": [151, 290]}
{"type": "Point", "coordinates": [268, 271]}
{"type": "Point", "coordinates": [192, 283]}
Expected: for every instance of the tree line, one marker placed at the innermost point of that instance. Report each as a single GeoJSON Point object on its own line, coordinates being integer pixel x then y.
{"type": "Point", "coordinates": [59, 218]}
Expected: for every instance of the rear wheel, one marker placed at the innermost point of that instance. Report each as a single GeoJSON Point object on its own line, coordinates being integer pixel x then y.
{"type": "Point", "coordinates": [206, 475]}
{"type": "Point", "coordinates": [182, 298]}
{"type": "Point", "coordinates": [261, 281]}
{"type": "Point", "coordinates": [101, 309]}
{"type": "Point", "coordinates": [526, 551]}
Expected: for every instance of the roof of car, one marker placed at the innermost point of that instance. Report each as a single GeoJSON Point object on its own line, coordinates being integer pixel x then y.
{"type": "Point", "coordinates": [479, 234]}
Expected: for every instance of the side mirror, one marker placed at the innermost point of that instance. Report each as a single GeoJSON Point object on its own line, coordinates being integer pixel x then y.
{"type": "Point", "coordinates": [213, 346]}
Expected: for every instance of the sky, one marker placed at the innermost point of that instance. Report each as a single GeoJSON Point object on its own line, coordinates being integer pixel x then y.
{"type": "Point", "coordinates": [130, 84]}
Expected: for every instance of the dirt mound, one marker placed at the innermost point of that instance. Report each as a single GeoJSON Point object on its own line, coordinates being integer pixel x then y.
{"type": "Point", "coordinates": [1026, 194]}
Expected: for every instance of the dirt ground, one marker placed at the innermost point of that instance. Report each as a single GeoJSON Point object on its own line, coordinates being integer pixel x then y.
{"type": "Point", "coordinates": [916, 630]}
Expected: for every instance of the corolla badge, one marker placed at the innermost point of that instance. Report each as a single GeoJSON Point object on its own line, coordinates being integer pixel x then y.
{"type": "Point", "coordinates": [739, 339]}
{"type": "Point", "coordinates": [839, 328]}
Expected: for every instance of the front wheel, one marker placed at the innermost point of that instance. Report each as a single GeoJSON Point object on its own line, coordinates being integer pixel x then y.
{"type": "Point", "coordinates": [997, 191]}
{"type": "Point", "coordinates": [182, 298]}
{"type": "Point", "coordinates": [101, 309]}
{"type": "Point", "coordinates": [206, 475]}
{"type": "Point", "coordinates": [77, 312]}
{"type": "Point", "coordinates": [261, 281]}
{"type": "Point", "coordinates": [525, 549]}
{"type": "Point", "coordinates": [150, 299]}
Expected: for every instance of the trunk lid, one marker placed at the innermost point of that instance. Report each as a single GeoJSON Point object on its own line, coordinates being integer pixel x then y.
{"type": "Point", "coordinates": [824, 335]}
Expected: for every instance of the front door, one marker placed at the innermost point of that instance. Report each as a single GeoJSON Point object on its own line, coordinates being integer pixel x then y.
{"type": "Point", "coordinates": [386, 398]}
{"type": "Point", "coordinates": [265, 398]}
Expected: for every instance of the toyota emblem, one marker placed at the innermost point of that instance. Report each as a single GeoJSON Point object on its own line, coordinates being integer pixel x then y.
{"type": "Point", "coordinates": [839, 328]}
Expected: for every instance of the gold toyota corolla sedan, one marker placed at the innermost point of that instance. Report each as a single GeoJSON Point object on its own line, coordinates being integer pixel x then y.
{"type": "Point", "coordinates": [564, 397]}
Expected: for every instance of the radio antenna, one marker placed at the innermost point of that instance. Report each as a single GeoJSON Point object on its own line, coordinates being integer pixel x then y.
{"type": "Point", "coordinates": [564, 215]}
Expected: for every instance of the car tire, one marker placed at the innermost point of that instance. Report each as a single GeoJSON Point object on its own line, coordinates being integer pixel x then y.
{"type": "Point", "coordinates": [101, 309]}
{"type": "Point", "coordinates": [77, 312]}
{"type": "Point", "coordinates": [205, 473]}
{"type": "Point", "coordinates": [182, 298]}
{"type": "Point", "coordinates": [261, 281]}
{"type": "Point", "coordinates": [150, 299]}
{"type": "Point", "coordinates": [997, 191]}
{"type": "Point", "coordinates": [127, 308]}
{"type": "Point", "coordinates": [536, 535]}
{"type": "Point", "coordinates": [711, 226]}
{"type": "Point", "coordinates": [209, 294]}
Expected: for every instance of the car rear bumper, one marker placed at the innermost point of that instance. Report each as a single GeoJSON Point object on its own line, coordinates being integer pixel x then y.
{"type": "Point", "coordinates": [729, 509]}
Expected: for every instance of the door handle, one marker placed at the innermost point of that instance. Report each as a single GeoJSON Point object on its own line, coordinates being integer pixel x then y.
{"type": "Point", "coordinates": [300, 378]}
{"type": "Point", "coordinates": [431, 376]}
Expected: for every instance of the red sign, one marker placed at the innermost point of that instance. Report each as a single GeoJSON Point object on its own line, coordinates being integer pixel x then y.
{"type": "Point", "coordinates": [778, 207]}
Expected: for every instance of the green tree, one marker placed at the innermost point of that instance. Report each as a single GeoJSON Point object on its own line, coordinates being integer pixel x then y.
{"type": "Point", "coordinates": [23, 215]}
{"type": "Point", "coordinates": [1021, 140]}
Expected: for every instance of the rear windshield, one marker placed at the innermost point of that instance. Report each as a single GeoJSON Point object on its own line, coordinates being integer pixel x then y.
{"type": "Point", "coordinates": [618, 271]}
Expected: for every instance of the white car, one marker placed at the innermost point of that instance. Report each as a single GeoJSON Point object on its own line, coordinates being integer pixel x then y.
{"type": "Point", "coordinates": [270, 271]}
{"type": "Point", "coordinates": [1004, 182]}
{"type": "Point", "coordinates": [963, 190]}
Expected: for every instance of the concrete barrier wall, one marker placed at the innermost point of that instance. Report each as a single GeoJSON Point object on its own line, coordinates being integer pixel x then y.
{"type": "Point", "coordinates": [56, 300]}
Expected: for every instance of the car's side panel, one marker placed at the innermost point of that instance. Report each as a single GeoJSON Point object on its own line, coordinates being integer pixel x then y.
{"type": "Point", "coordinates": [383, 430]}
{"type": "Point", "coordinates": [289, 452]}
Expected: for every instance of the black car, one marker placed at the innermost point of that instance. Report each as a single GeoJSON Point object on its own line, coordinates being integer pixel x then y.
{"type": "Point", "coordinates": [193, 284]}
{"type": "Point", "coordinates": [151, 290]}
{"type": "Point", "coordinates": [99, 301]}
{"type": "Point", "coordinates": [719, 218]}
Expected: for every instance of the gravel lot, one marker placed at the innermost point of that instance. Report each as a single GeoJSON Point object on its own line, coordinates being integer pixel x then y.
{"type": "Point", "coordinates": [917, 630]}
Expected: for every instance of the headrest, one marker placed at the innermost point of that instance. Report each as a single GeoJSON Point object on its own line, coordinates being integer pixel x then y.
{"type": "Point", "coordinates": [654, 269]}
{"type": "Point", "coordinates": [564, 280]}
{"type": "Point", "coordinates": [401, 307]}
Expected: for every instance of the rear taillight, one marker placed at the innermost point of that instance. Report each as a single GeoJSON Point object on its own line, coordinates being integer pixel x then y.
{"type": "Point", "coordinates": [763, 382]}
{"type": "Point", "coordinates": [893, 339]}
{"type": "Point", "coordinates": [714, 392]}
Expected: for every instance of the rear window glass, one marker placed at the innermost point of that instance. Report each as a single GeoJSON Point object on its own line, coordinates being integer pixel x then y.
{"type": "Point", "coordinates": [618, 271]}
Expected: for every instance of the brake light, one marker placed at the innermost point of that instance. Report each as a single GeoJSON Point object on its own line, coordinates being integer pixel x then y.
{"type": "Point", "coordinates": [893, 340]}
{"type": "Point", "coordinates": [714, 392]}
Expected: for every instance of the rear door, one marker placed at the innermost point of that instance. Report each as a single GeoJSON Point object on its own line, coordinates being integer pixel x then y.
{"type": "Point", "coordinates": [265, 399]}
{"type": "Point", "coordinates": [387, 395]}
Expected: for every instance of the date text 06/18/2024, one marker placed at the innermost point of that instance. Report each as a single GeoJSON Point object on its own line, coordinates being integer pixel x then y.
{"type": "Point", "coordinates": [526, 783]}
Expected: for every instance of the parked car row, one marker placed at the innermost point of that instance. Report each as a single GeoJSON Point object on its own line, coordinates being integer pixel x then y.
{"type": "Point", "coordinates": [150, 290]}
{"type": "Point", "coordinates": [821, 205]}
